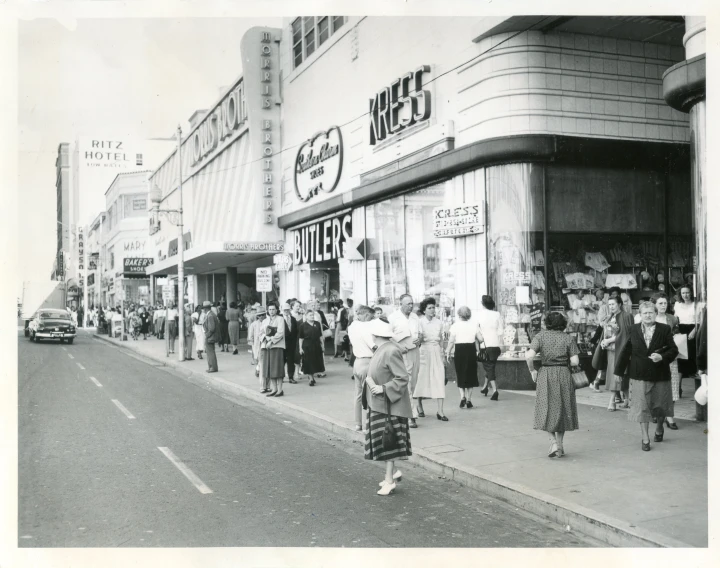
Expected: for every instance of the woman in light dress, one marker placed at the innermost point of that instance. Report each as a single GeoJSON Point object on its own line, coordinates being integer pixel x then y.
{"type": "Point", "coordinates": [431, 377]}
{"type": "Point", "coordinates": [198, 319]}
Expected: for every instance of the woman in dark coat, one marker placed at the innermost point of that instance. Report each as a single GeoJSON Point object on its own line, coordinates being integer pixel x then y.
{"type": "Point", "coordinates": [646, 357]}
{"type": "Point", "coordinates": [145, 322]}
{"type": "Point", "coordinates": [310, 338]}
{"type": "Point", "coordinates": [555, 404]}
{"type": "Point", "coordinates": [224, 331]}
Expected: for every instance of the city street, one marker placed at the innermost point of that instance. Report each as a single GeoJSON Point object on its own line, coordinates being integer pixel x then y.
{"type": "Point", "coordinates": [114, 451]}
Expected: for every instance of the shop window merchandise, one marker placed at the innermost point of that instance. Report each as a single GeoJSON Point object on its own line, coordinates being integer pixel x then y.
{"type": "Point", "coordinates": [558, 235]}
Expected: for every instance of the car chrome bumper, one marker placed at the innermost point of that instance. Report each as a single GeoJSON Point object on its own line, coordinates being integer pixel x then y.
{"type": "Point", "coordinates": [54, 335]}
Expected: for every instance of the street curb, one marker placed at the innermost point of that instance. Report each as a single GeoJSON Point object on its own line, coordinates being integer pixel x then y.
{"type": "Point", "coordinates": [609, 530]}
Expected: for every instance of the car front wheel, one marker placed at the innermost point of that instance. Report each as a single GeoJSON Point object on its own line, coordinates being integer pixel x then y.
{"type": "Point", "coordinates": [70, 341]}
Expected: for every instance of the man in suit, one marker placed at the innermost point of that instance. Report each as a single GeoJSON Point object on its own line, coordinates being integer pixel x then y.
{"type": "Point", "coordinates": [647, 357]}
{"type": "Point", "coordinates": [291, 340]}
{"type": "Point", "coordinates": [213, 335]}
{"type": "Point", "coordinates": [187, 319]}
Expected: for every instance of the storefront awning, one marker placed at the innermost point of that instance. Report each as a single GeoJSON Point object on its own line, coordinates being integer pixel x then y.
{"type": "Point", "coordinates": [217, 256]}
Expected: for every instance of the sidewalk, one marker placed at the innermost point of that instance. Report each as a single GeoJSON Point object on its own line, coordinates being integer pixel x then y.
{"type": "Point", "coordinates": [605, 486]}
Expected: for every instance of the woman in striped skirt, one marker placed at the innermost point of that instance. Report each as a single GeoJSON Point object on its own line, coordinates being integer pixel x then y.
{"type": "Point", "coordinates": [386, 396]}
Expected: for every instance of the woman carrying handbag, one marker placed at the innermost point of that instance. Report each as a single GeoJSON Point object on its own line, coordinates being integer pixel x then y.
{"type": "Point", "coordinates": [387, 399]}
{"type": "Point", "coordinates": [555, 404]}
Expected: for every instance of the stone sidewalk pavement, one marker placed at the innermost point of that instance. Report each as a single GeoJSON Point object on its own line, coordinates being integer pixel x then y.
{"type": "Point", "coordinates": [605, 486]}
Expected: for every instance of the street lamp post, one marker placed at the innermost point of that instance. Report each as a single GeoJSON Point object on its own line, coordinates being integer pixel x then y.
{"type": "Point", "coordinates": [156, 199]}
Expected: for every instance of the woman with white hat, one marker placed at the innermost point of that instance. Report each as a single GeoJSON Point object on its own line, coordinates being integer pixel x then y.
{"type": "Point", "coordinates": [387, 400]}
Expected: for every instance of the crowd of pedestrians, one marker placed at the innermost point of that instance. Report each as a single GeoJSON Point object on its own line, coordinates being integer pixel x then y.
{"type": "Point", "coordinates": [399, 361]}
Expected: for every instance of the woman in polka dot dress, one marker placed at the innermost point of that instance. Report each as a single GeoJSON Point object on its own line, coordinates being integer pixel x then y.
{"type": "Point", "coordinates": [555, 406]}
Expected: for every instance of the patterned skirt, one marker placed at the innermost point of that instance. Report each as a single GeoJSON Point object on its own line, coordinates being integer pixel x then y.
{"type": "Point", "coordinates": [373, 437]}
{"type": "Point", "coordinates": [675, 380]}
{"type": "Point", "coordinates": [555, 404]}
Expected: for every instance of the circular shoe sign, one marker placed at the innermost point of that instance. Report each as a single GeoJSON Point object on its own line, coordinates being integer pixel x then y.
{"type": "Point", "coordinates": [318, 165]}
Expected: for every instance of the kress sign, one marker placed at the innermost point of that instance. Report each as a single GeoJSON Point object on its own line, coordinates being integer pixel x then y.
{"type": "Point", "coordinates": [400, 105]}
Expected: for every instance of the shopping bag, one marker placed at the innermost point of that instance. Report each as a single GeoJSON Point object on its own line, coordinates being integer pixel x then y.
{"type": "Point", "coordinates": [680, 340]}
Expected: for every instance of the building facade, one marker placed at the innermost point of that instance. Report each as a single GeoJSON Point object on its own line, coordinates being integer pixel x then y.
{"type": "Point", "coordinates": [62, 191]}
{"type": "Point", "coordinates": [123, 243]}
{"type": "Point", "coordinates": [529, 158]}
{"type": "Point", "coordinates": [230, 166]}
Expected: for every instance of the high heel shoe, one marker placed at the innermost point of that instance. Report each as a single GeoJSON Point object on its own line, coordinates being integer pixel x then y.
{"type": "Point", "coordinates": [659, 436]}
{"type": "Point", "coordinates": [671, 425]}
{"type": "Point", "coordinates": [463, 402]}
{"type": "Point", "coordinates": [494, 396]}
{"type": "Point", "coordinates": [553, 451]}
{"type": "Point", "coordinates": [397, 476]}
{"type": "Point", "coordinates": [443, 418]}
{"type": "Point", "coordinates": [484, 391]}
{"type": "Point", "coordinates": [468, 404]}
{"type": "Point", "coordinates": [421, 413]}
{"type": "Point", "coordinates": [387, 488]}
{"type": "Point", "coordinates": [561, 451]}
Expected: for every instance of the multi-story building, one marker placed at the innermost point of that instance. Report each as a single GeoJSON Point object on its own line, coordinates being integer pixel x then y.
{"type": "Point", "coordinates": [123, 254]}
{"type": "Point", "coordinates": [526, 157]}
{"type": "Point", "coordinates": [62, 190]}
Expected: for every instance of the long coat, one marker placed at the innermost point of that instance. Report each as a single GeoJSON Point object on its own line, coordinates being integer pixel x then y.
{"type": "Point", "coordinates": [635, 355]}
{"type": "Point", "coordinates": [213, 333]}
{"type": "Point", "coordinates": [387, 368]}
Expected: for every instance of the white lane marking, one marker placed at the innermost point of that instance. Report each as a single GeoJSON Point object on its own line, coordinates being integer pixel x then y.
{"type": "Point", "coordinates": [94, 380]}
{"type": "Point", "coordinates": [63, 348]}
{"type": "Point", "coordinates": [79, 365]}
{"type": "Point", "coordinates": [71, 357]}
{"type": "Point", "coordinates": [186, 471]}
{"type": "Point", "coordinates": [124, 410]}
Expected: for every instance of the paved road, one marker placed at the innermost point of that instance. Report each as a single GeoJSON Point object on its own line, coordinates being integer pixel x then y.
{"type": "Point", "coordinates": [92, 476]}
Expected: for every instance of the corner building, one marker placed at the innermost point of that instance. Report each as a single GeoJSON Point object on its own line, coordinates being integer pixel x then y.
{"type": "Point", "coordinates": [230, 184]}
{"type": "Point", "coordinates": [527, 157]}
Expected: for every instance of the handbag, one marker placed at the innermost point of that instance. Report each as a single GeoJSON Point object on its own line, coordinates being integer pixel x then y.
{"type": "Point", "coordinates": [389, 437]}
{"type": "Point", "coordinates": [482, 354]}
{"type": "Point", "coordinates": [599, 360]}
{"type": "Point", "coordinates": [579, 378]}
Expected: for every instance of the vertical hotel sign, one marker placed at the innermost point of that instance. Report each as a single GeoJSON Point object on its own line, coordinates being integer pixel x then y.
{"type": "Point", "coordinates": [261, 70]}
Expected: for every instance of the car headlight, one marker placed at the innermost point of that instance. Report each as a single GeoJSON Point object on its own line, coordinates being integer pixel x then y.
{"type": "Point", "coordinates": [71, 329]}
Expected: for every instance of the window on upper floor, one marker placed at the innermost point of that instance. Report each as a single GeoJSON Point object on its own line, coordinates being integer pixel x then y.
{"type": "Point", "coordinates": [138, 159]}
{"type": "Point", "coordinates": [310, 32]}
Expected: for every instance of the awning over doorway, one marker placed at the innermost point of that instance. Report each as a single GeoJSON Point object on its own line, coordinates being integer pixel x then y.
{"type": "Point", "coordinates": [217, 256]}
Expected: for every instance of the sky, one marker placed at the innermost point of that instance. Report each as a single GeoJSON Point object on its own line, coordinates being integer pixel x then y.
{"type": "Point", "coordinates": [133, 77]}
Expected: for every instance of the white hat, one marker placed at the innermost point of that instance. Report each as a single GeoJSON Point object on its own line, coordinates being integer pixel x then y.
{"type": "Point", "coordinates": [380, 328]}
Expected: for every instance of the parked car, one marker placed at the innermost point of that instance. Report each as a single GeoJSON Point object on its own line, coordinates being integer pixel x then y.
{"type": "Point", "coordinates": [52, 324]}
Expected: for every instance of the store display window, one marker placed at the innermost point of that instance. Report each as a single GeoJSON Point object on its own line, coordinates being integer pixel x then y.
{"type": "Point", "coordinates": [403, 254]}
{"type": "Point", "coordinates": [516, 257]}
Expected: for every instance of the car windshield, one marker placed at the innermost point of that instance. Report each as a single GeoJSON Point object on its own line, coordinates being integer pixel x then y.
{"type": "Point", "coordinates": [55, 314]}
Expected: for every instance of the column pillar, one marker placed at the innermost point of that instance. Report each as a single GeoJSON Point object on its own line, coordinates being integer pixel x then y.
{"type": "Point", "coordinates": [684, 90]}
{"type": "Point", "coordinates": [230, 284]}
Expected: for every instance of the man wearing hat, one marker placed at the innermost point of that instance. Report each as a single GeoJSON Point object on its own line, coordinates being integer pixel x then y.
{"type": "Point", "coordinates": [211, 327]}
{"type": "Point", "coordinates": [291, 339]}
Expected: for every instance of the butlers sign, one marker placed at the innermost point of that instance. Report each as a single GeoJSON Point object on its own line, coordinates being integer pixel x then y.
{"type": "Point", "coordinates": [322, 241]}
{"type": "Point", "coordinates": [399, 105]}
{"type": "Point", "coordinates": [318, 165]}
